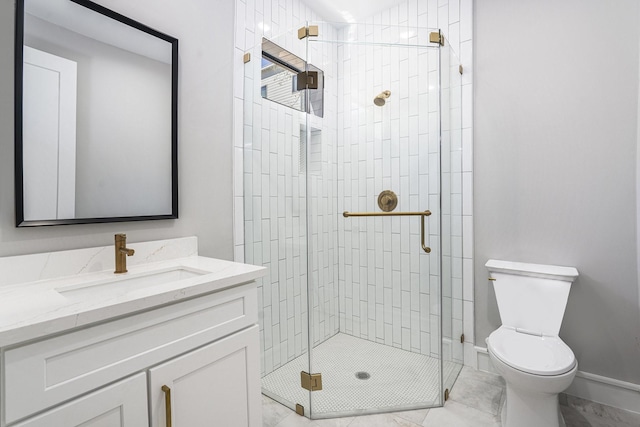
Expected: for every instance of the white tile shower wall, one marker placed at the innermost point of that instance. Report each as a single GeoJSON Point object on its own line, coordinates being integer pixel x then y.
{"type": "Point", "coordinates": [389, 288]}
{"type": "Point", "coordinates": [274, 188]}
{"type": "Point", "coordinates": [322, 203]}
{"type": "Point", "coordinates": [386, 279]}
{"type": "Point", "coordinates": [255, 17]}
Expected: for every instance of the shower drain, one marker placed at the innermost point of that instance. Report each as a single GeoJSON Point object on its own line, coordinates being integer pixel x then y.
{"type": "Point", "coordinates": [363, 375]}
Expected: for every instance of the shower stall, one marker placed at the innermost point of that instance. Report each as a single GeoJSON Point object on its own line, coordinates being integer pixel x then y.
{"type": "Point", "coordinates": [353, 200]}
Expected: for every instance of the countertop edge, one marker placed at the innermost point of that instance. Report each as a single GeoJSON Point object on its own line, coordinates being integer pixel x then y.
{"type": "Point", "coordinates": [50, 325]}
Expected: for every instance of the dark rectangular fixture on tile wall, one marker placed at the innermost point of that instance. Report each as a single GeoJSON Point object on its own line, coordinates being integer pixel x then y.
{"type": "Point", "coordinates": [289, 80]}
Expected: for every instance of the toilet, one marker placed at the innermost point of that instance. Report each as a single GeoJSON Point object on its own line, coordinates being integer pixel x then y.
{"type": "Point", "coordinates": [526, 350]}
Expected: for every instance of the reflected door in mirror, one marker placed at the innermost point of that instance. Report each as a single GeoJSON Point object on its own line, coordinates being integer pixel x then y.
{"type": "Point", "coordinates": [49, 137]}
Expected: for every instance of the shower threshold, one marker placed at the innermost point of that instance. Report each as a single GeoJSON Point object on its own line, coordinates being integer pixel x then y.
{"type": "Point", "coordinates": [397, 379]}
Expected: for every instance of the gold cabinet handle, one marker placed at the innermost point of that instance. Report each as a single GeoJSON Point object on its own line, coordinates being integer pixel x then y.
{"type": "Point", "coordinates": [167, 403]}
{"type": "Point", "coordinates": [421, 214]}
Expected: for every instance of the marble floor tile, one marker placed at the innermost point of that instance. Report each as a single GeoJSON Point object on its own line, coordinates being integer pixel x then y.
{"type": "Point", "coordinates": [573, 417]}
{"type": "Point", "coordinates": [490, 378]}
{"type": "Point", "coordinates": [333, 422]}
{"type": "Point", "coordinates": [416, 416]}
{"type": "Point", "coordinates": [454, 414]}
{"type": "Point", "coordinates": [273, 412]}
{"type": "Point", "coordinates": [476, 401]}
{"type": "Point", "coordinates": [382, 420]}
{"type": "Point", "coordinates": [597, 414]}
{"type": "Point", "coordinates": [295, 420]}
{"type": "Point", "coordinates": [479, 390]}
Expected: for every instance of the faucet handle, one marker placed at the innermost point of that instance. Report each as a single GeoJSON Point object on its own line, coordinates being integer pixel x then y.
{"type": "Point", "coordinates": [122, 252]}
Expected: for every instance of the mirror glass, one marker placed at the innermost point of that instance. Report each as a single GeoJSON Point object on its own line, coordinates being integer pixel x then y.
{"type": "Point", "coordinates": [96, 116]}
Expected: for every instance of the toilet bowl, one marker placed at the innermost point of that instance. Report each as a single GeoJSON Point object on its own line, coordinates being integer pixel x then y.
{"type": "Point", "coordinates": [526, 350]}
{"type": "Point", "coordinates": [535, 370]}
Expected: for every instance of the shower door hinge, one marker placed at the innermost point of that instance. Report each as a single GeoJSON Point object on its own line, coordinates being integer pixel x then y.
{"type": "Point", "coordinates": [307, 80]}
{"type": "Point", "coordinates": [436, 37]}
{"type": "Point", "coordinates": [462, 338]}
{"type": "Point", "coordinates": [311, 382]}
{"type": "Point", "coordinates": [299, 409]}
{"type": "Point", "coordinates": [310, 31]}
{"type": "Point", "coordinates": [460, 69]}
{"type": "Point", "coordinates": [446, 394]}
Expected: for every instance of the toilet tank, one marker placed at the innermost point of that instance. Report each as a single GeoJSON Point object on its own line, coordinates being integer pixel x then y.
{"type": "Point", "coordinates": [531, 297]}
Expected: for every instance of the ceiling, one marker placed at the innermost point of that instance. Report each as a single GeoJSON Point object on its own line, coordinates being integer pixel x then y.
{"type": "Point", "coordinates": [347, 11]}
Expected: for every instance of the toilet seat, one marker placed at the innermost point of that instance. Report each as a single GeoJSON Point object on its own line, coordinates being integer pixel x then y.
{"type": "Point", "coordinates": [538, 355]}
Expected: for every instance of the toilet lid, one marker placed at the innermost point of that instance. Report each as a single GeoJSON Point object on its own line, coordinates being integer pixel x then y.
{"type": "Point", "coordinates": [539, 355]}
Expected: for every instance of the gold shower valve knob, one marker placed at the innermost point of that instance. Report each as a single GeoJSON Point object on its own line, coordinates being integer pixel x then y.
{"type": "Point", "coordinates": [387, 200]}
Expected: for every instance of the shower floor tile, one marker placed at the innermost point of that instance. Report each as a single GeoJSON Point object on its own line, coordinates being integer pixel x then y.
{"type": "Point", "coordinates": [399, 379]}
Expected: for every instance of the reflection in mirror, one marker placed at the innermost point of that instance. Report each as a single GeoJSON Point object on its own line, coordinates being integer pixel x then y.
{"type": "Point", "coordinates": [280, 70]}
{"type": "Point", "coordinates": [96, 116]}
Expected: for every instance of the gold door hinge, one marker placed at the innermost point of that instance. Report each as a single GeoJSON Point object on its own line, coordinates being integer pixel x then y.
{"type": "Point", "coordinates": [247, 57]}
{"type": "Point", "coordinates": [446, 394]}
{"type": "Point", "coordinates": [311, 382]}
{"type": "Point", "coordinates": [462, 338]}
{"type": "Point", "coordinates": [460, 69]}
{"type": "Point", "coordinates": [299, 409]}
{"type": "Point", "coordinates": [310, 31]}
{"type": "Point", "coordinates": [436, 37]}
{"type": "Point", "coordinates": [307, 80]}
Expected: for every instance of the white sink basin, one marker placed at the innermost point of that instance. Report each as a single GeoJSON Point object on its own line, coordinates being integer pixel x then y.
{"type": "Point", "coordinates": [128, 282]}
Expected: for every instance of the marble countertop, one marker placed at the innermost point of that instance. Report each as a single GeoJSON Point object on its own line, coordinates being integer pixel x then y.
{"type": "Point", "coordinates": [51, 305]}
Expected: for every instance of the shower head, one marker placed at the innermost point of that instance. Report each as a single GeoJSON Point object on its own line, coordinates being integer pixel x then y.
{"type": "Point", "coordinates": [381, 99]}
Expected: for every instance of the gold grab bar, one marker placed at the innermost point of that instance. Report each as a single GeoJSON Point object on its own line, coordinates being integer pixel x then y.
{"type": "Point", "coordinates": [420, 214]}
{"type": "Point", "coordinates": [167, 403]}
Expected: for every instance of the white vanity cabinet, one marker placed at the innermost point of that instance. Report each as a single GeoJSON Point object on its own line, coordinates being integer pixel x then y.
{"type": "Point", "coordinates": [111, 373]}
{"type": "Point", "coordinates": [208, 386]}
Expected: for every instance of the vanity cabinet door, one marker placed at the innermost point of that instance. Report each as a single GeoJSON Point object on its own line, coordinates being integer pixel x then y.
{"type": "Point", "coordinates": [123, 404]}
{"type": "Point", "coordinates": [216, 385]}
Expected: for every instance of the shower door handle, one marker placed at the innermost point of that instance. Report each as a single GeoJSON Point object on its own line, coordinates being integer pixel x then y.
{"type": "Point", "coordinates": [422, 215]}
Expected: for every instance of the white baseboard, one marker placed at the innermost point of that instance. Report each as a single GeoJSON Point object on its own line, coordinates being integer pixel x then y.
{"type": "Point", "coordinates": [612, 392]}
{"type": "Point", "coordinates": [482, 360]}
{"type": "Point", "coordinates": [605, 390]}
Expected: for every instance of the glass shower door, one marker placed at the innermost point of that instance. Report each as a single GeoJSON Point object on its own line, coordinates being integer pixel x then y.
{"type": "Point", "coordinates": [451, 228]}
{"type": "Point", "coordinates": [275, 212]}
{"type": "Point", "coordinates": [375, 289]}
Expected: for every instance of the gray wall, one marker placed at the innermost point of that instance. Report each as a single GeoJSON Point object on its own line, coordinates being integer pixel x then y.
{"type": "Point", "coordinates": [638, 183]}
{"type": "Point", "coordinates": [556, 111]}
{"type": "Point", "coordinates": [205, 30]}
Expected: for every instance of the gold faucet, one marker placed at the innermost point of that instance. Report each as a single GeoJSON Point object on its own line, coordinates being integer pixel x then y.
{"type": "Point", "coordinates": [122, 252]}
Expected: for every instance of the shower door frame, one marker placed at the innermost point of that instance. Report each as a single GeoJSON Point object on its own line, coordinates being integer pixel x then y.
{"type": "Point", "coordinates": [443, 382]}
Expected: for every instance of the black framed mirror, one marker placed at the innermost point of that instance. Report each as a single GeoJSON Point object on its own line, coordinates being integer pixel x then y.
{"type": "Point", "coordinates": [96, 116]}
